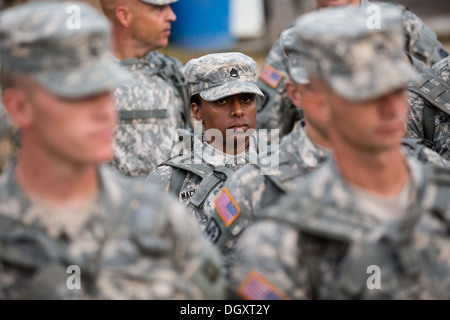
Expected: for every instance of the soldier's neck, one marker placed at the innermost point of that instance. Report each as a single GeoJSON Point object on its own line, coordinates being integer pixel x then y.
{"type": "Point", "coordinates": [59, 184]}
{"type": "Point", "coordinates": [126, 48]}
{"type": "Point", "coordinates": [317, 136]}
{"type": "Point", "coordinates": [383, 173]}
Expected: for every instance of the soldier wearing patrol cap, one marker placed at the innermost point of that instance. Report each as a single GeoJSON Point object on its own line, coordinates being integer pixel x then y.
{"type": "Point", "coordinates": [370, 210]}
{"type": "Point", "coordinates": [300, 153]}
{"type": "Point", "coordinates": [421, 47]}
{"type": "Point", "coordinates": [62, 214]}
{"type": "Point", "coordinates": [223, 91]}
{"type": "Point", "coordinates": [154, 106]}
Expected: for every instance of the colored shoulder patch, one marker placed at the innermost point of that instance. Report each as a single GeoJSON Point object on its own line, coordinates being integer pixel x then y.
{"type": "Point", "coordinates": [256, 287]}
{"type": "Point", "coordinates": [227, 208]}
{"type": "Point", "coordinates": [271, 76]}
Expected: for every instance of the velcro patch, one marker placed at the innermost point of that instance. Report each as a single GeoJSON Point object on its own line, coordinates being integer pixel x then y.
{"type": "Point", "coordinates": [227, 208]}
{"type": "Point", "coordinates": [212, 230]}
{"type": "Point", "coordinates": [256, 287]}
{"type": "Point", "coordinates": [271, 76]}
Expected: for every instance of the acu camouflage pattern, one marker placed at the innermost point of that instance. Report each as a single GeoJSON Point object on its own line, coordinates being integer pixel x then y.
{"type": "Point", "coordinates": [70, 62]}
{"type": "Point", "coordinates": [319, 243]}
{"type": "Point", "coordinates": [253, 191]}
{"type": "Point", "coordinates": [208, 157]}
{"type": "Point", "coordinates": [159, 2]}
{"type": "Point", "coordinates": [349, 70]}
{"type": "Point", "coordinates": [131, 242]}
{"type": "Point", "coordinates": [276, 109]}
{"type": "Point", "coordinates": [219, 75]}
{"type": "Point", "coordinates": [142, 143]}
{"type": "Point", "coordinates": [417, 106]}
{"type": "Point", "coordinates": [6, 125]}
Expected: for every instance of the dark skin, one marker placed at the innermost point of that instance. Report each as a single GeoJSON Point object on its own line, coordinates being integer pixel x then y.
{"type": "Point", "coordinates": [232, 116]}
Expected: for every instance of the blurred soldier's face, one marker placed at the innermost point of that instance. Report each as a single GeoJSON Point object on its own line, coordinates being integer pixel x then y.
{"type": "Point", "coordinates": [333, 3]}
{"type": "Point", "coordinates": [235, 114]}
{"type": "Point", "coordinates": [370, 126]}
{"type": "Point", "coordinates": [151, 24]}
{"type": "Point", "coordinates": [78, 131]}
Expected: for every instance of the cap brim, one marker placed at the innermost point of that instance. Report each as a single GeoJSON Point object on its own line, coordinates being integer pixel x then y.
{"type": "Point", "coordinates": [84, 81]}
{"type": "Point", "coordinates": [374, 80]}
{"type": "Point", "coordinates": [297, 70]}
{"type": "Point", "coordinates": [229, 89]}
{"type": "Point", "coordinates": [159, 3]}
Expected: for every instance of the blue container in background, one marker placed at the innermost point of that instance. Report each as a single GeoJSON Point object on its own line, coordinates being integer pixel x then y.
{"type": "Point", "coordinates": [202, 25]}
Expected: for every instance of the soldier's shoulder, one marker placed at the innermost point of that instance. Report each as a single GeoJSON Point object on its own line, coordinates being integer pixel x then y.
{"type": "Point", "coordinates": [158, 56]}
{"type": "Point", "coordinates": [441, 69]}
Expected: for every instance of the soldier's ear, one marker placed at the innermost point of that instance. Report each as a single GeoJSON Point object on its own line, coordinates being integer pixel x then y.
{"type": "Point", "coordinates": [124, 16]}
{"type": "Point", "coordinates": [294, 94]}
{"type": "Point", "coordinates": [18, 106]}
{"type": "Point", "coordinates": [196, 112]}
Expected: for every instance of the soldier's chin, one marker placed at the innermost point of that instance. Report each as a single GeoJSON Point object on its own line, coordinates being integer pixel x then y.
{"type": "Point", "coordinates": [104, 156]}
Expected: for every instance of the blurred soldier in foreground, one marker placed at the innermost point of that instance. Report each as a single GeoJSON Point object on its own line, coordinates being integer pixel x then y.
{"type": "Point", "coordinates": [277, 111]}
{"type": "Point", "coordinates": [300, 152]}
{"type": "Point", "coordinates": [154, 103]}
{"type": "Point", "coordinates": [223, 90]}
{"type": "Point", "coordinates": [61, 213]}
{"type": "Point", "coordinates": [371, 222]}
{"type": "Point", "coordinates": [429, 107]}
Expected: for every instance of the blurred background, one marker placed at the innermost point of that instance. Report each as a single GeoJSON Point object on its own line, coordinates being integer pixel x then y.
{"type": "Point", "coordinates": [251, 26]}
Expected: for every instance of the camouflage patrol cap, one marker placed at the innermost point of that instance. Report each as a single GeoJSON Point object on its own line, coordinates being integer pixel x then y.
{"type": "Point", "coordinates": [159, 2]}
{"type": "Point", "coordinates": [358, 59]}
{"type": "Point", "coordinates": [218, 75]}
{"type": "Point", "coordinates": [296, 65]}
{"type": "Point", "coordinates": [44, 40]}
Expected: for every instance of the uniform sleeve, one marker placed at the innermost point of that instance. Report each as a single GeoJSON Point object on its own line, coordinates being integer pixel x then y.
{"type": "Point", "coordinates": [266, 264]}
{"type": "Point", "coordinates": [414, 126]}
{"type": "Point", "coordinates": [421, 41]}
{"type": "Point", "coordinates": [161, 255]}
{"type": "Point", "coordinates": [161, 177]}
{"type": "Point", "coordinates": [276, 111]}
{"type": "Point", "coordinates": [235, 207]}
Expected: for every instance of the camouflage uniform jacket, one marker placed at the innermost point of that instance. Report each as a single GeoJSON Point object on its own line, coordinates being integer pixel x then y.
{"type": "Point", "coordinates": [130, 242]}
{"type": "Point", "coordinates": [5, 122]}
{"type": "Point", "coordinates": [200, 187]}
{"type": "Point", "coordinates": [150, 109]}
{"type": "Point", "coordinates": [322, 243]}
{"type": "Point", "coordinates": [440, 117]}
{"type": "Point", "coordinates": [276, 111]}
{"type": "Point", "coordinates": [251, 190]}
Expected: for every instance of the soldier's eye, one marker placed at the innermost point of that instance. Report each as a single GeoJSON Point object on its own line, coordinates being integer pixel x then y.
{"type": "Point", "coordinates": [248, 97]}
{"type": "Point", "coordinates": [221, 101]}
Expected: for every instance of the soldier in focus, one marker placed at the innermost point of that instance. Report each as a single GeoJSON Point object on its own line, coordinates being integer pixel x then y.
{"type": "Point", "coordinates": [223, 91]}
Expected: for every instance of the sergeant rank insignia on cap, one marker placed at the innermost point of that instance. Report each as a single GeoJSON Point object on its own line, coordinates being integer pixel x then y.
{"type": "Point", "coordinates": [227, 208]}
{"type": "Point", "coordinates": [256, 287]}
{"type": "Point", "coordinates": [271, 76]}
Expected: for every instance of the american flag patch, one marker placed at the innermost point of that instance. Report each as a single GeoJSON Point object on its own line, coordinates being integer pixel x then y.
{"type": "Point", "coordinates": [271, 76]}
{"type": "Point", "coordinates": [256, 287]}
{"type": "Point", "coordinates": [228, 209]}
